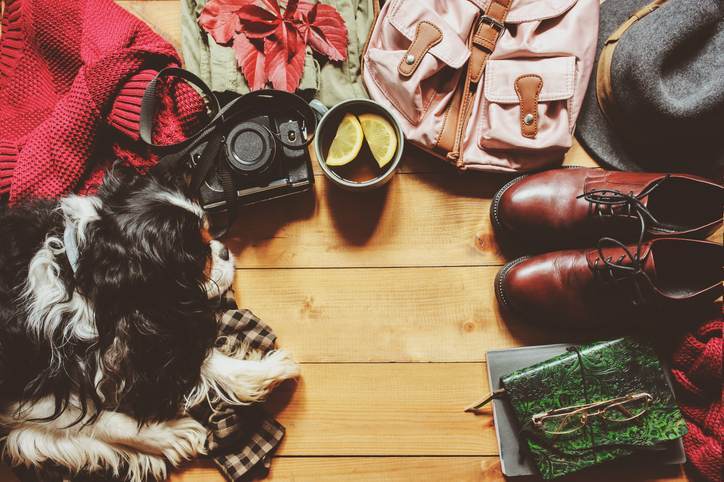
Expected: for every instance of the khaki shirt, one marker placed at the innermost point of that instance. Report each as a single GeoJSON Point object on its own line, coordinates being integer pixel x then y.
{"type": "Point", "coordinates": [330, 82]}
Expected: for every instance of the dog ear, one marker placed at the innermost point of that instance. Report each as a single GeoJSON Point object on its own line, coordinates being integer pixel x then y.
{"type": "Point", "coordinates": [151, 362]}
{"type": "Point", "coordinates": [155, 324]}
{"type": "Point", "coordinates": [172, 172]}
{"type": "Point", "coordinates": [155, 328]}
{"type": "Point", "coordinates": [119, 174]}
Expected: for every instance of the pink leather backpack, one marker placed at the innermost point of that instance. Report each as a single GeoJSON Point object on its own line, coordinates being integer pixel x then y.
{"type": "Point", "coordinates": [491, 85]}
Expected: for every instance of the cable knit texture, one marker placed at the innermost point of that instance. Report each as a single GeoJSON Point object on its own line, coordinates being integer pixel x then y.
{"type": "Point", "coordinates": [72, 76]}
{"type": "Point", "coordinates": [697, 370]}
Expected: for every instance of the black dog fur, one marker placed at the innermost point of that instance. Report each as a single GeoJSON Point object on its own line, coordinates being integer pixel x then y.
{"type": "Point", "coordinates": [155, 323]}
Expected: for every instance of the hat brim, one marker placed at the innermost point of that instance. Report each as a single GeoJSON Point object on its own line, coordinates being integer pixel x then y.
{"type": "Point", "coordinates": [593, 130]}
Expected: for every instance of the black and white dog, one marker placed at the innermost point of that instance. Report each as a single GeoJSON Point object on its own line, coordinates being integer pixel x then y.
{"type": "Point", "coordinates": [107, 330]}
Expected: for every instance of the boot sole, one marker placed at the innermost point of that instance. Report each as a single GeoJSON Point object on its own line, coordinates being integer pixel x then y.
{"type": "Point", "coordinates": [500, 290]}
{"type": "Point", "coordinates": [498, 227]}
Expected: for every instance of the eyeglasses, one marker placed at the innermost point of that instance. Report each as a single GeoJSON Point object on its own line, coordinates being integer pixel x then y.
{"type": "Point", "coordinates": [562, 421]}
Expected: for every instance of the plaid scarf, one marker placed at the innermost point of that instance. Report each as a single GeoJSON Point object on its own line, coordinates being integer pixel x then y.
{"type": "Point", "coordinates": [240, 438]}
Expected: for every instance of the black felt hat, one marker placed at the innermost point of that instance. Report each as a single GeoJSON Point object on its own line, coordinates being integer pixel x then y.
{"type": "Point", "coordinates": [666, 89]}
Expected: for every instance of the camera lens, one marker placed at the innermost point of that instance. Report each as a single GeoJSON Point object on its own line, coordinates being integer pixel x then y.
{"type": "Point", "coordinates": [250, 148]}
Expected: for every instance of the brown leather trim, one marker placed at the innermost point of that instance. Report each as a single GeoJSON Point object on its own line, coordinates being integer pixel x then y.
{"type": "Point", "coordinates": [486, 36]}
{"type": "Point", "coordinates": [604, 87]}
{"type": "Point", "coordinates": [484, 39]}
{"type": "Point", "coordinates": [498, 10]}
{"type": "Point", "coordinates": [482, 42]}
{"type": "Point", "coordinates": [446, 139]}
{"type": "Point", "coordinates": [427, 35]}
{"type": "Point", "coordinates": [528, 88]}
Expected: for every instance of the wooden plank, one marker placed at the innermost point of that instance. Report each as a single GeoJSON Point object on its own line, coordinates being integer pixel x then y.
{"type": "Point", "coordinates": [416, 220]}
{"type": "Point", "coordinates": [384, 409]}
{"type": "Point", "coordinates": [404, 469]}
{"type": "Point", "coordinates": [435, 469]}
{"type": "Point", "coordinates": [431, 219]}
{"type": "Point", "coordinates": [164, 17]}
{"type": "Point", "coordinates": [395, 315]}
{"type": "Point", "coordinates": [422, 469]}
{"type": "Point", "coordinates": [356, 469]}
{"type": "Point", "coordinates": [378, 315]}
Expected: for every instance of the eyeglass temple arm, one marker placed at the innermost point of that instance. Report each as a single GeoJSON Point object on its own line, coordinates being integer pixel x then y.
{"type": "Point", "coordinates": [484, 401]}
{"type": "Point", "coordinates": [621, 408]}
{"type": "Point", "coordinates": [616, 403]}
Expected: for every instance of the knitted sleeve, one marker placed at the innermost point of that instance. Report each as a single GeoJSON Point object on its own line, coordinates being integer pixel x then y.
{"type": "Point", "coordinates": [74, 103]}
{"type": "Point", "coordinates": [696, 366]}
{"type": "Point", "coordinates": [179, 115]}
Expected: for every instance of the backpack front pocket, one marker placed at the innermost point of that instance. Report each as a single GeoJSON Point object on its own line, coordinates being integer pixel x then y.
{"type": "Point", "coordinates": [416, 53]}
{"type": "Point", "coordinates": [526, 104]}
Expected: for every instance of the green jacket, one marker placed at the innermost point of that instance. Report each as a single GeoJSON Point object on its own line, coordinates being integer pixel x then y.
{"type": "Point", "coordinates": [331, 82]}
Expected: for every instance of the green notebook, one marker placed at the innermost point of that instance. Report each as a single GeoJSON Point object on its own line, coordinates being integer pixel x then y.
{"type": "Point", "coordinates": [571, 439]}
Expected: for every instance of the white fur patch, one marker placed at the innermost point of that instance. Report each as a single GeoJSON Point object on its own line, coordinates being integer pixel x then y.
{"type": "Point", "coordinates": [81, 211]}
{"type": "Point", "coordinates": [178, 199]}
{"type": "Point", "coordinates": [48, 302]}
{"type": "Point", "coordinates": [112, 440]}
{"type": "Point", "coordinates": [222, 272]}
{"type": "Point", "coordinates": [239, 381]}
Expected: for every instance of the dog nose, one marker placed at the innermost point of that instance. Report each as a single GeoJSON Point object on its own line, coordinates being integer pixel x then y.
{"type": "Point", "coordinates": [224, 253]}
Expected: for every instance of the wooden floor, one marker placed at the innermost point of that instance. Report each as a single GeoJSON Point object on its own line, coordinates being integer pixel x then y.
{"type": "Point", "coordinates": [387, 301]}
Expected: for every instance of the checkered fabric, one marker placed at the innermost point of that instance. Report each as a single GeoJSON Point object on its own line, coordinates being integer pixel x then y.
{"type": "Point", "coordinates": [241, 438]}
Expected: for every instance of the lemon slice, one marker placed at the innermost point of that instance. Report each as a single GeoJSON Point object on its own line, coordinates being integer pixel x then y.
{"type": "Point", "coordinates": [347, 142]}
{"type": "Point", "coordinates": [380, 136]}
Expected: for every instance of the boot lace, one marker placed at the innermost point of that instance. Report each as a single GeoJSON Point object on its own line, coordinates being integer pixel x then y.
{"type": "Point", "coordinates": [610, 202]}
{"type": "Point", "coordinates": [618, 271]}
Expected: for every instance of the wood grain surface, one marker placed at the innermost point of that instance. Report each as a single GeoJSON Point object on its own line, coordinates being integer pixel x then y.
{"type": "Point", "coordinates": [387, 300]}
{"type": "Point", "coordinates": [419, 469]}
{"type": "Point", "coordinates": [438, 314]}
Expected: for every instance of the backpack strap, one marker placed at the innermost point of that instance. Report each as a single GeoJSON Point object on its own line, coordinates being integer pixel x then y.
{"type": "Point", "coordinates": [490, 27]}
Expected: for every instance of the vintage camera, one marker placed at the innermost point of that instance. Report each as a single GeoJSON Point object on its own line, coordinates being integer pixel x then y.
{"type": "Point", "coordinates": [263, 157]}
{"type": "Point", "coordinates": [252, 149]}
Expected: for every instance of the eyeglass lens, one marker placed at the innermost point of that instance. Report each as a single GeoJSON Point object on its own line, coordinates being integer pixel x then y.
{"type": "Point", "coordinates": [623, 411]}
{"type": "Point", "coordinates": [627, 410]}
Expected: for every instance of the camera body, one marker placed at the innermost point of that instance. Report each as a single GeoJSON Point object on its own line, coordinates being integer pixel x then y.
{"type": "Point", "coordinates": [265, 157]}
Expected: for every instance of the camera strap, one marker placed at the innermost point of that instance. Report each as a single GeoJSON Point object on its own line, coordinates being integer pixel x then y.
{"type": "Point", "coordinates": [256, 101]}
{"type": "Point", "coordinates": [149, 104]}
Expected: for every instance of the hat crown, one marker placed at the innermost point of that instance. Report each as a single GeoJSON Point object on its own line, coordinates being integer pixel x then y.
{"type": "Point", "coordinates": [666, 87]}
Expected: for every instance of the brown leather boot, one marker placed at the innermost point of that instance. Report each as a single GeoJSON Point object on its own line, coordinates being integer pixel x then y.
{"type": "Point", "coordinates": [577, 206]}
{"type": "Point", "coordinates": [587, 287]}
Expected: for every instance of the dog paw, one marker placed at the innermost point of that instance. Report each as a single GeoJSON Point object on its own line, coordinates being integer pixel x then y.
{"type": "Point", "coordinates": [143, 468]}
{"type": "Point", "coordinates": [177, 440]}
{"type": "Point", "coordinates": [283, 366]}
{"type": "Point", "coordinates": [256, 379]}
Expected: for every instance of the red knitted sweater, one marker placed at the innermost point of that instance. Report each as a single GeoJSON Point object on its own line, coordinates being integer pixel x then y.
{"type": "Point", "coordinates": [697, 370]}
{"type": "Point", "coordinates": [72, 75]}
